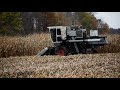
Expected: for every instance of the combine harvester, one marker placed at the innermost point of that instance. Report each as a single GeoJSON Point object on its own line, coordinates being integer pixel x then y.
{"type": "Point", "coordinates": [72, 40]}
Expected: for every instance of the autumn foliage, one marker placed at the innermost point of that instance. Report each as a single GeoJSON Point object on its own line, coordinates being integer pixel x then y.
{"type": "Point", "coordinates": [14, 23]}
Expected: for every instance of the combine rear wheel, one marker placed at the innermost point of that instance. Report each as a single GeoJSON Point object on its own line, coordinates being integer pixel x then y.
{"type": "Point", "coordinates": [62, 51]}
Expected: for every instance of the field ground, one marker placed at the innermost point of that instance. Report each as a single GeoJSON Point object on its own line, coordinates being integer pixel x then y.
{"type": "Point", "coordinates": [105, 65]}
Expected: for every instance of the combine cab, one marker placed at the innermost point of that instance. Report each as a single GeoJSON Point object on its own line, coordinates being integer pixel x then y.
{"type": "Point", "coordinates": [72, 40]}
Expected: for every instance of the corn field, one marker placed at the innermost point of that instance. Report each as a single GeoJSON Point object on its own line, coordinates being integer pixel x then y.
{"type": "Point", "coordinates": [32, 44]}
{"type": "Point", "coordinates": [18, 59]}
{"type": "Point", "coordinates": [22, 46]}
{"type": "Point", "coordinates": [113, 45]}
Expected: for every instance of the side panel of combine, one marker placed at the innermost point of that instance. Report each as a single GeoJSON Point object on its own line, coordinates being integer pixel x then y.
{"type": "Point", "coordinates": [93, 32]}
{"type": "Point", "coordinates": [63, 33]}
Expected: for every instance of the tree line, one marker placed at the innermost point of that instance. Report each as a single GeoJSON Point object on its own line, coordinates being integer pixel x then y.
{"type": "Point", "coordinates": [23, 23]}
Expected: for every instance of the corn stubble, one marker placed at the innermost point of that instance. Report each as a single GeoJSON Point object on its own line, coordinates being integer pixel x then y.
{"type": "Point", "coordinates": [73, 66]}
{"type": "Point", "coordinates": [18, 59]}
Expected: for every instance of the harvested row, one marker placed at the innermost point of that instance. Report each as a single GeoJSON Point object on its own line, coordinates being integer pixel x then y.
{"type": "Point", "coordinates": [73, 66]}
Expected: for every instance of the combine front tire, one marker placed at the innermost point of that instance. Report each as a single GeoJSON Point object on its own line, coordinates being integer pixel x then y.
{"type": "Point", "coordinates": [62, 51]}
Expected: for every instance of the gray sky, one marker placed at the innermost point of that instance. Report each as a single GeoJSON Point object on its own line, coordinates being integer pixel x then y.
{"type": "Point", "coordinates": [111, 18]}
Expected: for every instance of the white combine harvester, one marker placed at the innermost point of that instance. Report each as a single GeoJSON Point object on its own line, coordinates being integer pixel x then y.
{"type": "Point", "coordinates": [72, 40]}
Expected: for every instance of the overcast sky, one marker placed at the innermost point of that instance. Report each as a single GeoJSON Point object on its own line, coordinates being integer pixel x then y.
{"type": "Point", "coordinates": [111, 18]}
